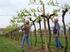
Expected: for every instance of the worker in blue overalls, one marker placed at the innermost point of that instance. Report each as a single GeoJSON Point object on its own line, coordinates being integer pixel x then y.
{"type": "Point", "coordinates": [56, 32]}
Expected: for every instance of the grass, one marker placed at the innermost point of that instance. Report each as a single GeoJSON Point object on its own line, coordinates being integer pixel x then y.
{"type": "Point", "coordinates": [8, 45]}
{"type": "Point", "coordinates": [52, 41]}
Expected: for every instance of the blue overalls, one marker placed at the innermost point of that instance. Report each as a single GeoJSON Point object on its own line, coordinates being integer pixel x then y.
{"type": "Point", "coordinates": [56, 32]}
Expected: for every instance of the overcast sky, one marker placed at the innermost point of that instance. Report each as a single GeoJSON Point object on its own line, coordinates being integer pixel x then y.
{"type": "Point", "coordinates": [9, 8]}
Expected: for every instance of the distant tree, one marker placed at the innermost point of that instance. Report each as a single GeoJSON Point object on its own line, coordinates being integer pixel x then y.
{"type": "Point", "coordinates": [66, 7]}
{"type": "Point", "coordinates": [64, 12]}
{"type": "Point", "coordinates": [33, 22]}
{"type": "Point", "coordinates": [48, 17]}
{"type": "Point", "coordinates": [41, 35]}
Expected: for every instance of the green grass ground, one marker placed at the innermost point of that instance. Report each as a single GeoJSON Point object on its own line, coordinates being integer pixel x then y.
{"type": "Point", "coordinates": [62, 39]}
{"type": "Point", "coordinates": [8, 45]}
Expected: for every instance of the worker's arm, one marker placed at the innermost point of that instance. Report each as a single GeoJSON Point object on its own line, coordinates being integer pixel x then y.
{"type": "Point", "coordinates": [21, 28]}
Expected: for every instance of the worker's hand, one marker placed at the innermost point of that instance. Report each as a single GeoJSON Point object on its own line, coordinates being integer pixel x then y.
{"type": "Point", "coordinates": [20, 30]}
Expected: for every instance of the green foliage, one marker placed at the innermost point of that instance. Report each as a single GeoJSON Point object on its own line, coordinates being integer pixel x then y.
{"type": "Point", "coordinates": [53, 2]}
{"type": "Point", "coordinates": [66, 6]}
{"type": "Point", "coordinates": [8, 29]}
{"type": "Point", "coordinates": [39, 19]}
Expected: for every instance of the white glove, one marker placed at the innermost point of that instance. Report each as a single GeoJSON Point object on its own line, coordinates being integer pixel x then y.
{"type": "Point", "coordinates": [20, 30]}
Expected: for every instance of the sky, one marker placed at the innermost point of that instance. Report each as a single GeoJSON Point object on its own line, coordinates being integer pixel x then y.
{"type": "Point", "coordinates": [9, 8]}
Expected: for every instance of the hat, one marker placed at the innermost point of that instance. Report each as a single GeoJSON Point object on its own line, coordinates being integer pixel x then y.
{"type": "Point", "coordinates": [55, 19]}
{"type": "Point", "coordinates": [27, 21]}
